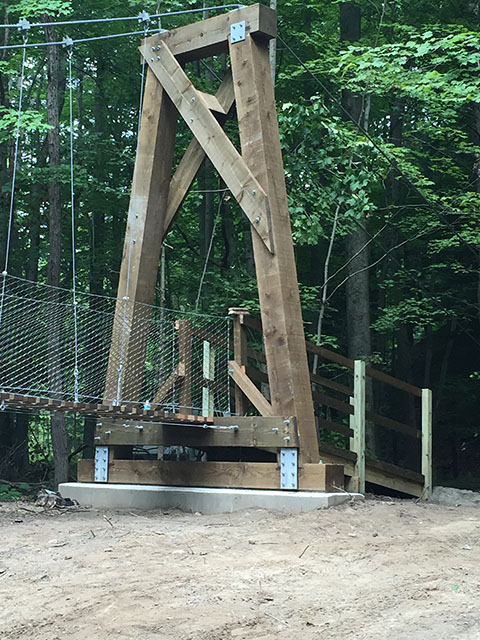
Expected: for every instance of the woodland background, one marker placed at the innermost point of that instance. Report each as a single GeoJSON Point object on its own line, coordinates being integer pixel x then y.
{"type": "Point", "coordinates": [379, 110]}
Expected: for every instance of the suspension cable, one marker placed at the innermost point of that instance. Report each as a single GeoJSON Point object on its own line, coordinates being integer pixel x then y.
{"type": "Point", "coordinates": [73, 230]}
{"type": "Point", "coordinates": [140, 17]}
{"type": "Point", "coordinates": [14, 178]}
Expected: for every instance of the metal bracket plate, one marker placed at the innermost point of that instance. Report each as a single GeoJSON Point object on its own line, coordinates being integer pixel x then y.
{"type": "Point", "coordinates": [237, 31]}
{"type": "Point", "coordinates": [101, 464]}
{"type": "Point", "coordinates": [289, 468]}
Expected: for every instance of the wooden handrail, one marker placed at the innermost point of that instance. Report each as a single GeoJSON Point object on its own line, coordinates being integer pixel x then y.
{"type": "Point", "coordinates": [331, 384]}
{"type": "Point", "coordinates": [393, 382]}
{"type": "Point", "coordinates": [329, 425]}
{"type": "Point", "coordinates": [333, 356]}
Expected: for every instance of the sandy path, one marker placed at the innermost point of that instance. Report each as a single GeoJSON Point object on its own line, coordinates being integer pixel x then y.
{"type": "Point", "coordinates": [371, 571]}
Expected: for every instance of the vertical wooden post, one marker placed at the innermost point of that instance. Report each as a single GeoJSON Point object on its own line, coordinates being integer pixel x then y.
{"type": "Point", "coordinates": [143, 242]}
{"type": "Point", "coordinates": [240, 346]}
{"type": "Point", "coordinates": [285, 348]}
{"type": "Point", "coordinates": [357, 443]}
{"type": "Point", "coordinates": [184, 328]}
{"type": "Point", "coordinates": [209, 376]}
{"type": "Point", "coordinates": [427, 470]}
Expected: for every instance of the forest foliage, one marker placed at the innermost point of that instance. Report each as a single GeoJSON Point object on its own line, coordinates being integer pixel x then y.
{"type": "Point", "coordinates": [403, 174]}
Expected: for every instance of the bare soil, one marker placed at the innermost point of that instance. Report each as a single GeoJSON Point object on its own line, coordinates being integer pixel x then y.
{"type": "Point", "coordinates": [374, 570]}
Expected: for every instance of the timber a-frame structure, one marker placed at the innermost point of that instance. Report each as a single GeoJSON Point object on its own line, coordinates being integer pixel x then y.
{"type": "Point", "coordinates": [255, 177]}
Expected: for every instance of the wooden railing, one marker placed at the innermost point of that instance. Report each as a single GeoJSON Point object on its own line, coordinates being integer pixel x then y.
{"type": "Point", "coordinates": [359, 465]}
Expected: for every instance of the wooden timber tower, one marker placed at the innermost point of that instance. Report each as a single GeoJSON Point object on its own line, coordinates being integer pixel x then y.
{"type": "Point", "coordinates": [161, 376]}
{"type": "Point", "coordinates": [255, 178]}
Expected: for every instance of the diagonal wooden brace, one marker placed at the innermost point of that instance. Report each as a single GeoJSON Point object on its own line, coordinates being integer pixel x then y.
{"type": "Point", "coordinates": [194, 156]}
{"type": "Point", "coordinates": [241, 379]}
{"type": "Point", "coordinates": [225, 158]}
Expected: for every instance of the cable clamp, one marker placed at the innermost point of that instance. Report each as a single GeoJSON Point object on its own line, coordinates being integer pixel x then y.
{"type": "Point", "coordinates": [67, 43]}
{"type": "Point", "coordinates": [144, 18]}
{"type": "Point", "coordinates": [24, 25]}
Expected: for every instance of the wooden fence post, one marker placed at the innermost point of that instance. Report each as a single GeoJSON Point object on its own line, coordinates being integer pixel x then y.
{"type": "Point", "coordinates": [184, 328]}
{"type": "Point", "coordinates": [427, 442]}
{"type": "Point", "coordinates": [239, 354]}
{"type": "Point", "coordinates": [208, 378]}
{"type": "Point", "coordinates": [357, 443]}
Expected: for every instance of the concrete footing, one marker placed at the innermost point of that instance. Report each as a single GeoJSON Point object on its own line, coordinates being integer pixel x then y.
{"type": "Point", "coordinates": [193, 499]}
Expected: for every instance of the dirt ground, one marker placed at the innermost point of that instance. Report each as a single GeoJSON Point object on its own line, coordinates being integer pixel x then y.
{"type": "Point", "coordinates": [374, 570]}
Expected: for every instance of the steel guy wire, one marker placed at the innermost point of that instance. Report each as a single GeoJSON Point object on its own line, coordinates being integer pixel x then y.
{"type": "Point", "coordinates": [109, 36]}
{"type": "Point", "coordinates": [72, 206]}
{"type": "Point", "coordinates": [14, 179]}
{"type": "Point", "coordinates": [392, 161]}
{"type": "Point", "coordinates": [140, 17]}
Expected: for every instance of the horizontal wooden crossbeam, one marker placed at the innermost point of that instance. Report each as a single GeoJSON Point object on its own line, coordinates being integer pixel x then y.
{"type": "Point", "coordinates": [250, 431]}
{"type": "Point", "coordinates": [210, 37]}
{"type": "Point", "coordinates": [247, 475]}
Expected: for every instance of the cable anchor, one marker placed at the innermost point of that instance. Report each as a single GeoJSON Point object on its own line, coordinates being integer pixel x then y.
{"type": "Point", "coordinates": [67, 43]}
{"type": "Point", "coordinates": [144, 19]}
{"type": "Point", "coordinates": [24, 26]}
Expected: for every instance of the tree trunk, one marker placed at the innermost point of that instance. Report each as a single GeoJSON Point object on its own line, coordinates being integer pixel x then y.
{"type": "Point", "coordinates": [356, 249]}
{"type": "Point", "coordinates": [476, 173]}
{"type": "Point", "coordinates": [58, 427]}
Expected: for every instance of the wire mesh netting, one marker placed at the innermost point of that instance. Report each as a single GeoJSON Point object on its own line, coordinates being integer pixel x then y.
{"type": "Point", "coordinates": [107, 350]}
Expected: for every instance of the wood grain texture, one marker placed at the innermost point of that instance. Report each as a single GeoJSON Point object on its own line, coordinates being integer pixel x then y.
{"type": "Point", "coordinates": [240, 349]}
{"type": "Point", "coordinates": [225, 158]}
{"type": "Point", "coordinates": [246, 475]}
{"type": "Point", "coordinates": [338, 358]}
{"type": "Point", "coordinates": [358, 440]}
{"type": "Point", "coordinates": [249, 389]}
{"type": "Point", "coordinates": [143, 241]}
{"type": "Point", "coordinates": [253, 431]}
{"type": "Point", "coordinates": [276, 273]}
{"type": "Point", "coordinates": [210, 37]}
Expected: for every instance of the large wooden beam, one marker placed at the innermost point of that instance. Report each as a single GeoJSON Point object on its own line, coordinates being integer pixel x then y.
{"type": "Point", "coordinates": [225, 158]}
{"type": "Point", "coordinates": [143, 241]}
{"type": "Point", "coordinates": [249, 389]}
{"type": "Point", "coordinates": [276, 273]}
{"type": "Point", "coordinates": [247, 431]}
{"type": "Point", "coordinates": [210, 37]}
{"type": "Point", "coordinates": [247, 475]}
